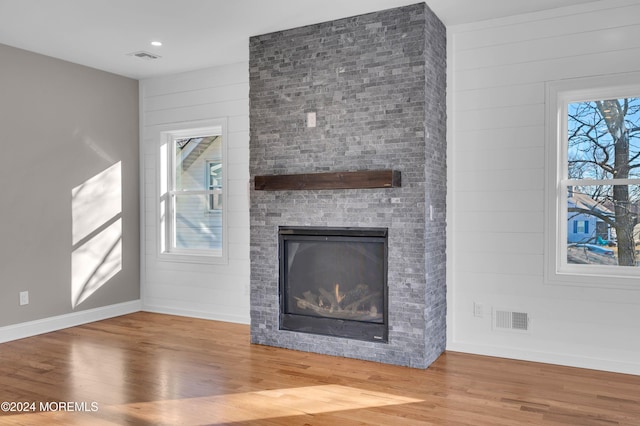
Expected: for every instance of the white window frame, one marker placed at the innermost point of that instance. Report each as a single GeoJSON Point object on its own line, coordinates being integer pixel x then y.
{"type": "Point", "coordinates": [167, 193]}
{"type": "Point", "coordinates": [559, 94]}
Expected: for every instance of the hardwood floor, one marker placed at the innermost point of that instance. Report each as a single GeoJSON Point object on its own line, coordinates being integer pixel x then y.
{"type": "Point", "coordinates": [152, 369]}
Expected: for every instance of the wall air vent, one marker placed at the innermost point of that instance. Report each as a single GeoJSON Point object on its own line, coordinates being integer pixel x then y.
{"type": "Point", "coordinates": [144, 55]}
{"type": "Point", "coordinates": [508, 320]}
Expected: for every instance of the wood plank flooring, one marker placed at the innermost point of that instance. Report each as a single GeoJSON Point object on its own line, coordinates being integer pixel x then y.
{"type": "Point", "coordinates": [152, 369]}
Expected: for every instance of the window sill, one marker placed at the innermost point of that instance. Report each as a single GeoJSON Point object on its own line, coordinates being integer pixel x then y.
{"type": "Point", "coordinates": [203, 259]}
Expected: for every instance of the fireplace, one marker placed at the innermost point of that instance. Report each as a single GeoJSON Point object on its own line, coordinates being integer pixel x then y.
{"type": "Point", "coordinates": [333, 281]}
{"type": "Point", "coordinates": [376, 111]}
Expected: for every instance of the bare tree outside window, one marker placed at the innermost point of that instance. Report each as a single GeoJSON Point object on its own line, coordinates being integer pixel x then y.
{"type": "Point", "coordinates": [604, 174]}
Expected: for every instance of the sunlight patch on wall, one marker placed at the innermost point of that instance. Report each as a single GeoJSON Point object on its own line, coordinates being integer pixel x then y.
{"type": "Point", "coordinates": [96, 210]}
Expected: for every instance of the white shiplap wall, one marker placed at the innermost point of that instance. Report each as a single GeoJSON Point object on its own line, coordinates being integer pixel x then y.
{"type": "Point", "coordinates": [496, 158]}
{"type": "Point", "coordinates": [219, 292]}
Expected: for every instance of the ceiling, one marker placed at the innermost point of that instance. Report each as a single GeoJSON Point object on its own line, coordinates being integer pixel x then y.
{"type": "Point", "coordinates": [197, 33]}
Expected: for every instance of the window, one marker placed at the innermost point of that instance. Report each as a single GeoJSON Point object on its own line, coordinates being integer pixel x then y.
{"type": "Point", "coordinates": [192, 193]}
{"type": "Point", "coordinates": [581, 227]}
{"type": "Point", "coordinates": [594, 181]}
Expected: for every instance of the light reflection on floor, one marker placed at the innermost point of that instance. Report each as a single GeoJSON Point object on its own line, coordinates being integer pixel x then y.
{"type": "Point", "coordinates": [240, 407]}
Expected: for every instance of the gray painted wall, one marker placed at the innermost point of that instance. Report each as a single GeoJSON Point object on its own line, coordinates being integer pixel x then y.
{"type": "Point", "coordinates": [377, 83]}
{"type": "Point", "coordinates": [62, 124]}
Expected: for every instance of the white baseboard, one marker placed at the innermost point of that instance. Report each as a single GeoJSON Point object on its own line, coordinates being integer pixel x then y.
{"type": "Point", "coordinates": [46, 325]}
{"type": "Point", "coordinates": [238, 319]}
{"type": "Point", "coordinates": [567, 360]}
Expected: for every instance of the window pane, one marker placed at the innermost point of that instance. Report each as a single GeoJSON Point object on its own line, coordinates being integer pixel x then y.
{"type": "Point", "coordinates": [604, 139]}
{"type": "Point", "coordinates": [214, 180]}
{"type": "Point", "coordinates": [602, 225]}
{"type": "Point", "coordinates": [195, 226]}
{"type": "Point", "coordinates": [191, 157]}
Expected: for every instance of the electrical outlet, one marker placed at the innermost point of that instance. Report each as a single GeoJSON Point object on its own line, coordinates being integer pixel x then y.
{"type": "Point", "coordinates": [24, 298]}
{"type": "Point", "coordinates": [478, 310]}
{"type": "Point", "coordinates": [311, 119]}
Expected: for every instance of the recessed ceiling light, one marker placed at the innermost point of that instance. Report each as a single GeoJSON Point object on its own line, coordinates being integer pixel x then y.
{"type": "Point", "coordinates": [156, 43]}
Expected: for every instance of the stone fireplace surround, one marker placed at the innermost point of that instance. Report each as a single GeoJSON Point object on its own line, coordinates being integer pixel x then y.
{"type": "Point", "coordinates": [377, 84]}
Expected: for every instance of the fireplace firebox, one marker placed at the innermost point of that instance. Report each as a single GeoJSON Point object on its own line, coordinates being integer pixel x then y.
{"type": "Point", "coordinates": [333, 281]}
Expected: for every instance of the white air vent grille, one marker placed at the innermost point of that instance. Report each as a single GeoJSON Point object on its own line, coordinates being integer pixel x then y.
{"type": "Point", "coordinates": [519, 321]}
{"type": "Point", "coordinates": [144, 55]}
{"type": "Point", "coordinates": [508, 320]}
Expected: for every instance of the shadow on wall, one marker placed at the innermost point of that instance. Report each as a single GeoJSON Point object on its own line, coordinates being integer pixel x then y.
{"type": "Point", "coordinates": [96, 210]}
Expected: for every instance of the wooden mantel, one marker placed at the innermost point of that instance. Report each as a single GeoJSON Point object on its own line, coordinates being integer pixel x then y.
{"type": "Point", "coordinates": [364, 179]}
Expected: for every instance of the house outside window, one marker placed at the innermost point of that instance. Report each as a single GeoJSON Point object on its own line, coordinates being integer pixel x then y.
{"type": "Point", "coordinates": [584, 228]}
{"type": "Point", "coordinates": [593, 189]}
{"type": "Point", "coordinates": [213, 177]}
{"type": "Point", "coordinates": [192, 192]}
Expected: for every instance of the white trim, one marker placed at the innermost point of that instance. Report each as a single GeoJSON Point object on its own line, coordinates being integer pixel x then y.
{"type": "Point", "coordinates": [46, 325]}
{"type": "Point", "coordinates": [143, 192]}
{"type": "Point", "coordinates": [165, 135]}
{"type": "Point", "coordinates": [594, 182]}
{"type": "Point", "coordinates": [558, 95]}
{"type": "Point", "coordinates": [238, 319]}
{"type": "Point", "coordinates": [564, 359]}
{"type": "Point", "coordinates": [196, 192]}
{"type": "Point", "coordinates": [451, 202]}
